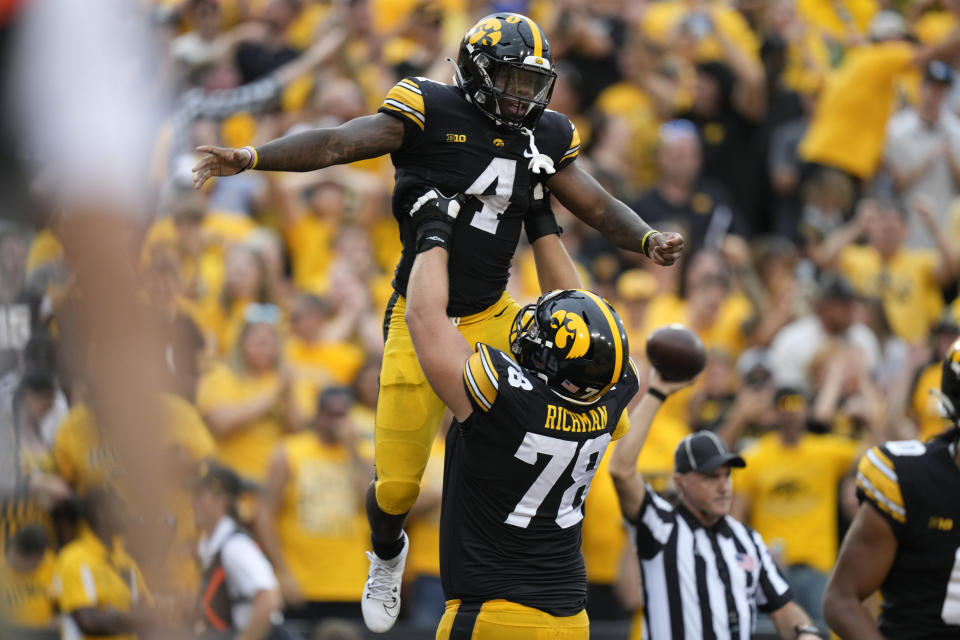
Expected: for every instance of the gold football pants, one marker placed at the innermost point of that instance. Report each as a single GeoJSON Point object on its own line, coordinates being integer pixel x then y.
{"type": "Point", "coordinates": [408, 411]}
{"type": "Point", "coordinates": [505, 620]}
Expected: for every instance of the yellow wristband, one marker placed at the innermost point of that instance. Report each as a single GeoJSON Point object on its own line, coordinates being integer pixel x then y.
{"type": "Point", "coordinates": [254, 158]}
{"type": "Point", "coordinates": [646, 238]}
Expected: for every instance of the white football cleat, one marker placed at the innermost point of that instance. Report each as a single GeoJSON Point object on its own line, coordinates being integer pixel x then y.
{"type": "Point", "coordinates": [381, 594]}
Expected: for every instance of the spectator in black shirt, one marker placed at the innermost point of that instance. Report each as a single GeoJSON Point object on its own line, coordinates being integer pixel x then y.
{"type": "Point", "coordinates": [682, 197]}
{"type": "Point", "coordinates": [728, 109]}
{"type": "Point", "coordinates": [784, 127]}
{"type": "Point", "coordinates": [256, 59]}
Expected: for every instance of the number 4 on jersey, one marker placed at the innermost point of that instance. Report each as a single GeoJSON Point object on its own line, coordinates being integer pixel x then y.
{"type": "Point", "coordinates": [501, 171]}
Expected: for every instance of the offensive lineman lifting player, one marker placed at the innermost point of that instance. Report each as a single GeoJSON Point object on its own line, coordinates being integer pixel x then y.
{"type": "Point", "coordinates": [528, 438]}
{"type": "Point", "coordinates": [490, 138]}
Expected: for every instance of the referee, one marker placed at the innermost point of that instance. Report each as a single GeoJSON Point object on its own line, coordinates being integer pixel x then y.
{"type": "Point", "coordinates": [705, 575]}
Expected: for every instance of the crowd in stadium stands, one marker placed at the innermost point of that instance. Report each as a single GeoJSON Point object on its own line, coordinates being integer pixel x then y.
{"type": "Point", "coordinates": [808, 151]}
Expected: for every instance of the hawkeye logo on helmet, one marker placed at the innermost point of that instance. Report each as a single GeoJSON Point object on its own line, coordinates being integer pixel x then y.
{"type": "Point", "coordinates": [486, 33]}
{"type": "Point", "coordinates": [497, 142]}
{"type": "Point", "coordinates": [569, 328]}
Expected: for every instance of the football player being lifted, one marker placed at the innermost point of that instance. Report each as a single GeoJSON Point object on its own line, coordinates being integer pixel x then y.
{"type": "Point", "coordinates": [905, 539]}
{"type": "Point", "coordinates": [490, 138]}
{"type": "Point", "coordinates": [528, 437]}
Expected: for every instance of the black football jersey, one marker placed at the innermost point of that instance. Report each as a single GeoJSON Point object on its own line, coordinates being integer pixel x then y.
{"type": "Point", "coordinates": [916, 487]}
{"type": "Point", "coordinates": [449, 145]}
{"type": "Point", "coordinates": [516, 474]}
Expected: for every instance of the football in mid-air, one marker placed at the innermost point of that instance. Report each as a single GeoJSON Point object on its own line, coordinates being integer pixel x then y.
{"type": "Point", "coordinates": [676, 352]}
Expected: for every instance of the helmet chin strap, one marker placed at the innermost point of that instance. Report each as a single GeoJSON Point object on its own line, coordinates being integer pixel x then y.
{"type": "Point", "coordinates": [457, 76]}
{"type": "Point", "coordinates": [539, 162]}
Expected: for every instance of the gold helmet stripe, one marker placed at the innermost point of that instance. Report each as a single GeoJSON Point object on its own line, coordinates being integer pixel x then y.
{"type": "Point", "coordinates": [615, 332]}
{"type": "Point", "coordinates": [537, 40]}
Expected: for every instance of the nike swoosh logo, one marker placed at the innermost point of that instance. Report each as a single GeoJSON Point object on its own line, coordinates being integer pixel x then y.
{"type": "Point", "coordinates": [497, 315]}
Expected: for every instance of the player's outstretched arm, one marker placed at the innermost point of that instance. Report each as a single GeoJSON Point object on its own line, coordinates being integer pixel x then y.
{"type": "Point", "coordinates": [864, 562]}
{"type": "Point", "coordinates": [440, 348]}
{"type": "Point", "coordinates": [630, 486]}
{"type": "Point", "coordinates": [579, 192]}
{"type": "Point", "coordinates": [359, 139]}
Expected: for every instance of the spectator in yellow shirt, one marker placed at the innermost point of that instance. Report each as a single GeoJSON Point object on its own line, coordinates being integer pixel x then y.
{"type": "Point", "coordinates": [635, 289]}
{"type": "Point", "coordinates": [185, 235]}
{"type": "Point", "coordinates": [246, 282]}
{"type": "Point", "coordinates": [788, 493]}
{"type": "Point", "coordinates": [318, 347]}
{"type": "Point", "coordinates": [310, 231]}
{"type": "Point", "coordinates": [842, 20]}
{"type": "Point", "coordinates": [704, 20]}
{"type": "Point", "coordinates": [99, 589]}
{"type": "Point", "coordinates": [311, 519]}
{"type": "Point", "coordinates": [908, 281]}
{"type": "Point", "coordinates": [26, 581]}
{"type": "Point", "coordinates": [249, 403]}
{"type": "Point", "coordinates": [709, 306]}
{"type": "Point", "coordinates": [83, 456]}
{"type": "Point", "coordinates": [631, 100]}
{"type": "Point", "coordinates": [849, 124]}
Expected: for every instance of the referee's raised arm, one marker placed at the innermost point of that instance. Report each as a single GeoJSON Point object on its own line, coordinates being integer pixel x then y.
{"type": "Point", "coordinates": [630, 485]}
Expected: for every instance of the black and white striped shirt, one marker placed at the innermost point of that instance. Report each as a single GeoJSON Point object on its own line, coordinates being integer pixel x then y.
{"type": "Point", "coordinates": [702, 582]}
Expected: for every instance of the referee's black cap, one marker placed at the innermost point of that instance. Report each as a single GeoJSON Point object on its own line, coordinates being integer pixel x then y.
{"type": "Point", "coordinates": [703, 452]}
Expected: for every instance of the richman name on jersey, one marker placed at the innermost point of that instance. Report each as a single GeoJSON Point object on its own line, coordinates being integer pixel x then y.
{"type": "Point", "coordinates": [561, 419]}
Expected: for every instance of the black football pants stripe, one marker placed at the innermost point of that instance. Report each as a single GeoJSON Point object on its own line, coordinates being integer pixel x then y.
{"type": "Point", "coordinates": [463, 622]}
{"type": "Point", "coordinates": [389, 314]}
